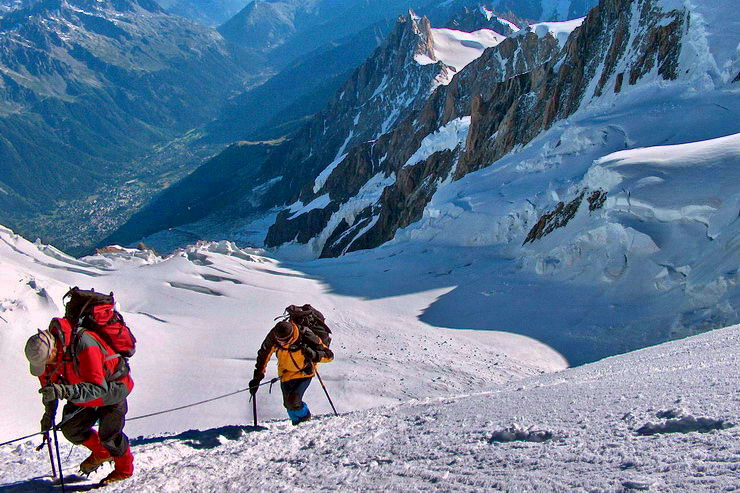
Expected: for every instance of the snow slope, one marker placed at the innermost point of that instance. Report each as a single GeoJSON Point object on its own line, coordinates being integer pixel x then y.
{"type": "Point", "coordinates": [456, 49]}
{"type": "Point", "coordinates": [659, 260]}
{"type": "Point", "coordinates": [559, 30]}
{"type": "Point", "coordinates": [201, 314]}
{"type": "Point", "coordinates": [600, 427]}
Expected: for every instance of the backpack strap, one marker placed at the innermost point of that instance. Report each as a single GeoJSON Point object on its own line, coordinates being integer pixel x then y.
{"type": "Point", "coordinates": [122, 368]}
{"type": "Point", "coordinates": [306, 369]}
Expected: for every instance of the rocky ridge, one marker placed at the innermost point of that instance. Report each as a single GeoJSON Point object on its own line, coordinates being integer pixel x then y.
{"type": "Point", "coordinates": [387, 86]}
{"type": "Point", "coordinates": [471, 18]}
{"type": "Point", "coordinates": [511, 94]}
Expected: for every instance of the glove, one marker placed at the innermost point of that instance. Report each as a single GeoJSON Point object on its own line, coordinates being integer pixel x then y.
{"type": "Point", "coordinates": [53, 392]}
{"type": "Point", "coordinates": [311, 337]}
{"type": "Point", "coordinates": [50, 412]}
{"type": "Point", "coordinates": [312, 354]}
{"type": "Point", "coordinates": [254, 385]}
{"type": "Point", "coordinates": [46, 421]}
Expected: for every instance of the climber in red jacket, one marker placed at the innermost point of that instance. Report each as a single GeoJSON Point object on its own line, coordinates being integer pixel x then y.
{"type": "Point", "coordinates": [95, 380]}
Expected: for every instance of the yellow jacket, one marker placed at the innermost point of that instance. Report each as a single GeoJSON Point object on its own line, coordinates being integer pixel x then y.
{"type": "Point", "coordinates": [292, 362]}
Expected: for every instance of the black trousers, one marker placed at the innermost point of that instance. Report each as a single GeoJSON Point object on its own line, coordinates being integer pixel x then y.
{"type": "Point", "coordinates": [111, 421]}
{"type": "Point", "coordinates": [293, 391]}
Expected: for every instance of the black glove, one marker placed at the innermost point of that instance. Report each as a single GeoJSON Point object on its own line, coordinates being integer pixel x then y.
{"type": "Point", "coordinates": [54, 391]}
{"type": "Point", "coordinates": [254, 385]}
{"type": "Point", "coordinates": [312, 355]}
{"type": "Point", "coordinates": [46, 421]}
{"type": "Point", "coordinates": [311, 337]}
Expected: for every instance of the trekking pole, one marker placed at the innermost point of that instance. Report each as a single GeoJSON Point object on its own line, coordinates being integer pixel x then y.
{"type": "Point", "coordinates": [327, 393]}
{"type": "Point", "coordinates": [51, 456]}
{"type": "Point", "coordinates": [47, 442]}
{"type": "Point", "coordinates": [254, 409]}
{"type": "Point", "coordinates": [59, 457]}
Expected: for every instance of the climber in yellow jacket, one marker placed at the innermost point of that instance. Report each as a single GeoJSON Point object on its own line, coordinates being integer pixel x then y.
{"type": "Point", "coordinates": [298, 350]}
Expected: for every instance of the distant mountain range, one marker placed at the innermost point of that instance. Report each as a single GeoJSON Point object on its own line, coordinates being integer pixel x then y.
{"type": "Point", "coordinates": [210, 13]}
{"type": "Point", "coordinates": [370, 112]}
{"type": "Point", "coordinates": [104, 103]}
{"type": "Point", "coordinates": [87, 85]}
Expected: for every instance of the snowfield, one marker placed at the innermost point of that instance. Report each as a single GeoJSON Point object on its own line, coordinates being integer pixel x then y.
{"type": "Point", "coordinates": [558, 30]}
{"type": "Point", "coordinates": [458, 48]}
{"type": "Point", "coordinates": [201, 314]}
{"type": "Point", "coordinates": [452, 340]}
{"type": "Point", "coordinates": [659, 419]}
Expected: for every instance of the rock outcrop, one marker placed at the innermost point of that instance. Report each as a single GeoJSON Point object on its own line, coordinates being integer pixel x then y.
{"type": "Point", "coordinates": [388, 86]}
{"type": "Point", "coordinates": [512, 93]}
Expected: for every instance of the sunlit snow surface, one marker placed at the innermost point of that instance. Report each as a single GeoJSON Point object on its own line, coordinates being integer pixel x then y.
{"type": "Point", "coordinates": [591, 417]}
{"type": "Point", "coordinates": [559, 30]}
{"type": "Point", "coordinates": [458, 48]}
{"type": "Point", "coordinates": [201, 314]}
{"type": "Point", "coordinates": [448, 137]}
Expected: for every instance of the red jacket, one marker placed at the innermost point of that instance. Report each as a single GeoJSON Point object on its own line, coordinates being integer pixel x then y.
{"type": "Point", "coordinates": [99, 376]}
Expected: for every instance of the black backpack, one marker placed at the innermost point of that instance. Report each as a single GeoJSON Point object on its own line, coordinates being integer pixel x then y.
{"type": "Point", "coordinates": [308, 317]}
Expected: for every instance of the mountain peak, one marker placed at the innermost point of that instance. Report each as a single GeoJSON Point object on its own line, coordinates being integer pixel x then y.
{"type": "Point", "coordinates": [413, 34]}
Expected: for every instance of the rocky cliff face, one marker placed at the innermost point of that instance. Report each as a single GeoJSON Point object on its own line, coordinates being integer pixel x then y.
{"type": "Point", "coordinates": [511, 94]}
{"type": "Point", "coordinates": [353, 217]}
{"type": "Point", "coordinates": [389, 85]}
{"type": "Point", "coordinates": [471, 18]}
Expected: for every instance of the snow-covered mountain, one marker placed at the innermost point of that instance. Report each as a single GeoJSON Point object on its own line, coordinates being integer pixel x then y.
{"type": "Point", "coordinates": [660, 419]}
{"type": "Point", "coordinates": [393, 82]}
{"type": "Point", "coordinates": [471, 18]}
{"type": "Point", "coordinates": [621, 53]}
{"type": "Point", "coordinates": [200, 315]}
{"type": "Point", "coordinates": [596, 157]}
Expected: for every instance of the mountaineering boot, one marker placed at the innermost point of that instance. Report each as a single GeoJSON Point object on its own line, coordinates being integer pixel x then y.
{"type": "Point", "coordinates": [300, 415]}
{"type": "Point", "coordinates": [98, 457]}
{"type": "Point", "coordinates": [115, 477]}
{"type": "Point", "coordinates": [301, 420]}
{"type": "Point", "coordinates": [124, 469]}
{"type": "Point", "coordinates": [92, 463]}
